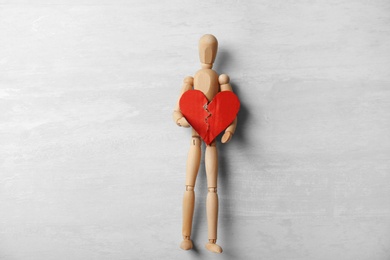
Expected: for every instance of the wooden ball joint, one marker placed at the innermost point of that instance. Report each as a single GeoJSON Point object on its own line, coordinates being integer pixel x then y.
{"type": "Point", "coordinates": [208, 105]}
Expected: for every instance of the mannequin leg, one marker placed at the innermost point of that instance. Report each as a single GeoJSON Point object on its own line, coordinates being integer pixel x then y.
{"type": "Point", "coordinates": [211, 160]}
{"type": "Point", "coordinates": [193, 162]}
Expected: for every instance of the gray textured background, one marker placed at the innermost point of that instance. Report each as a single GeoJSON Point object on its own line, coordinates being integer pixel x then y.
{"type": "Point", "coordinates": [92, 166]}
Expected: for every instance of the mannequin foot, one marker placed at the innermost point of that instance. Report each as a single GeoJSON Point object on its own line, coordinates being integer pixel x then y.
{"type": "Point", "coordinates": [186, 244]}
{"type": "Point", "coordinates": [213, 247]}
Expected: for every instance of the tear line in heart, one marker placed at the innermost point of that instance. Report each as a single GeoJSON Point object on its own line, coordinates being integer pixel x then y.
{"type": "Point", "coordinates": [205, 107]}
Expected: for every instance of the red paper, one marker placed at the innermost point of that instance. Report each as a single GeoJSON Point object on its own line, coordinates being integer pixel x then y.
{"type": "Point", "coordinates": [209, 119]}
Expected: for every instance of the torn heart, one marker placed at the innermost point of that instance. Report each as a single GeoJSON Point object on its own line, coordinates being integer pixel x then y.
{"type": "Point", "coordinates": [209, 119]}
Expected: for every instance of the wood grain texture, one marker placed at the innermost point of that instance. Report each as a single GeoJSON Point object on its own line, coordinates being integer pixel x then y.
{"type": "Point", "coordinates": [92, 166]}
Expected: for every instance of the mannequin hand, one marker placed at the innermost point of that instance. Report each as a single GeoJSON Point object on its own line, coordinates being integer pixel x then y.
{"type": "Point", "coordinates": [183, 122]}
{"type": "Point", "coordinates": [227, 136]}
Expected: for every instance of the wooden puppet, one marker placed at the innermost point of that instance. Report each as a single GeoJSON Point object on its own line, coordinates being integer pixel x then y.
{"type": "Point", "coordinates": [208, 104]}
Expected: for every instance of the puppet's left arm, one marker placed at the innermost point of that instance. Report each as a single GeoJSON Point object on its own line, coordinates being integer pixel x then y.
{"type": "Point", "coordinates": [225, 86]}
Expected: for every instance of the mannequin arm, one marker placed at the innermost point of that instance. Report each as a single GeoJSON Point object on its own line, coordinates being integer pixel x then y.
{"type": "Point", "coordinates": [178, 117]}
{"type": "Point", "coordinates": [225, 86]}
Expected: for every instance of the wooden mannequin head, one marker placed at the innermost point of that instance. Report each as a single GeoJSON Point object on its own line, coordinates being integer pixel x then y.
{"type": "Point", "coordinates": [208, 47]}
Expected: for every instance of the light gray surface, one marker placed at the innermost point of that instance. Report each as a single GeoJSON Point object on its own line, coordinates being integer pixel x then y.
{"type": "Point", "coordinates": [92, 166]}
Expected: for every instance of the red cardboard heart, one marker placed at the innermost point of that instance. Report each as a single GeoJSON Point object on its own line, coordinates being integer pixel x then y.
{"type": "Point", "coordinates": [209, 119]}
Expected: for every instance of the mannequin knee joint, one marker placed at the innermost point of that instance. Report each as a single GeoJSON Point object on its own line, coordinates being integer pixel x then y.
{"type": "Point", "coordinates": [189, 188]}
{"type": "Point", "coordinates": [213, 190]}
